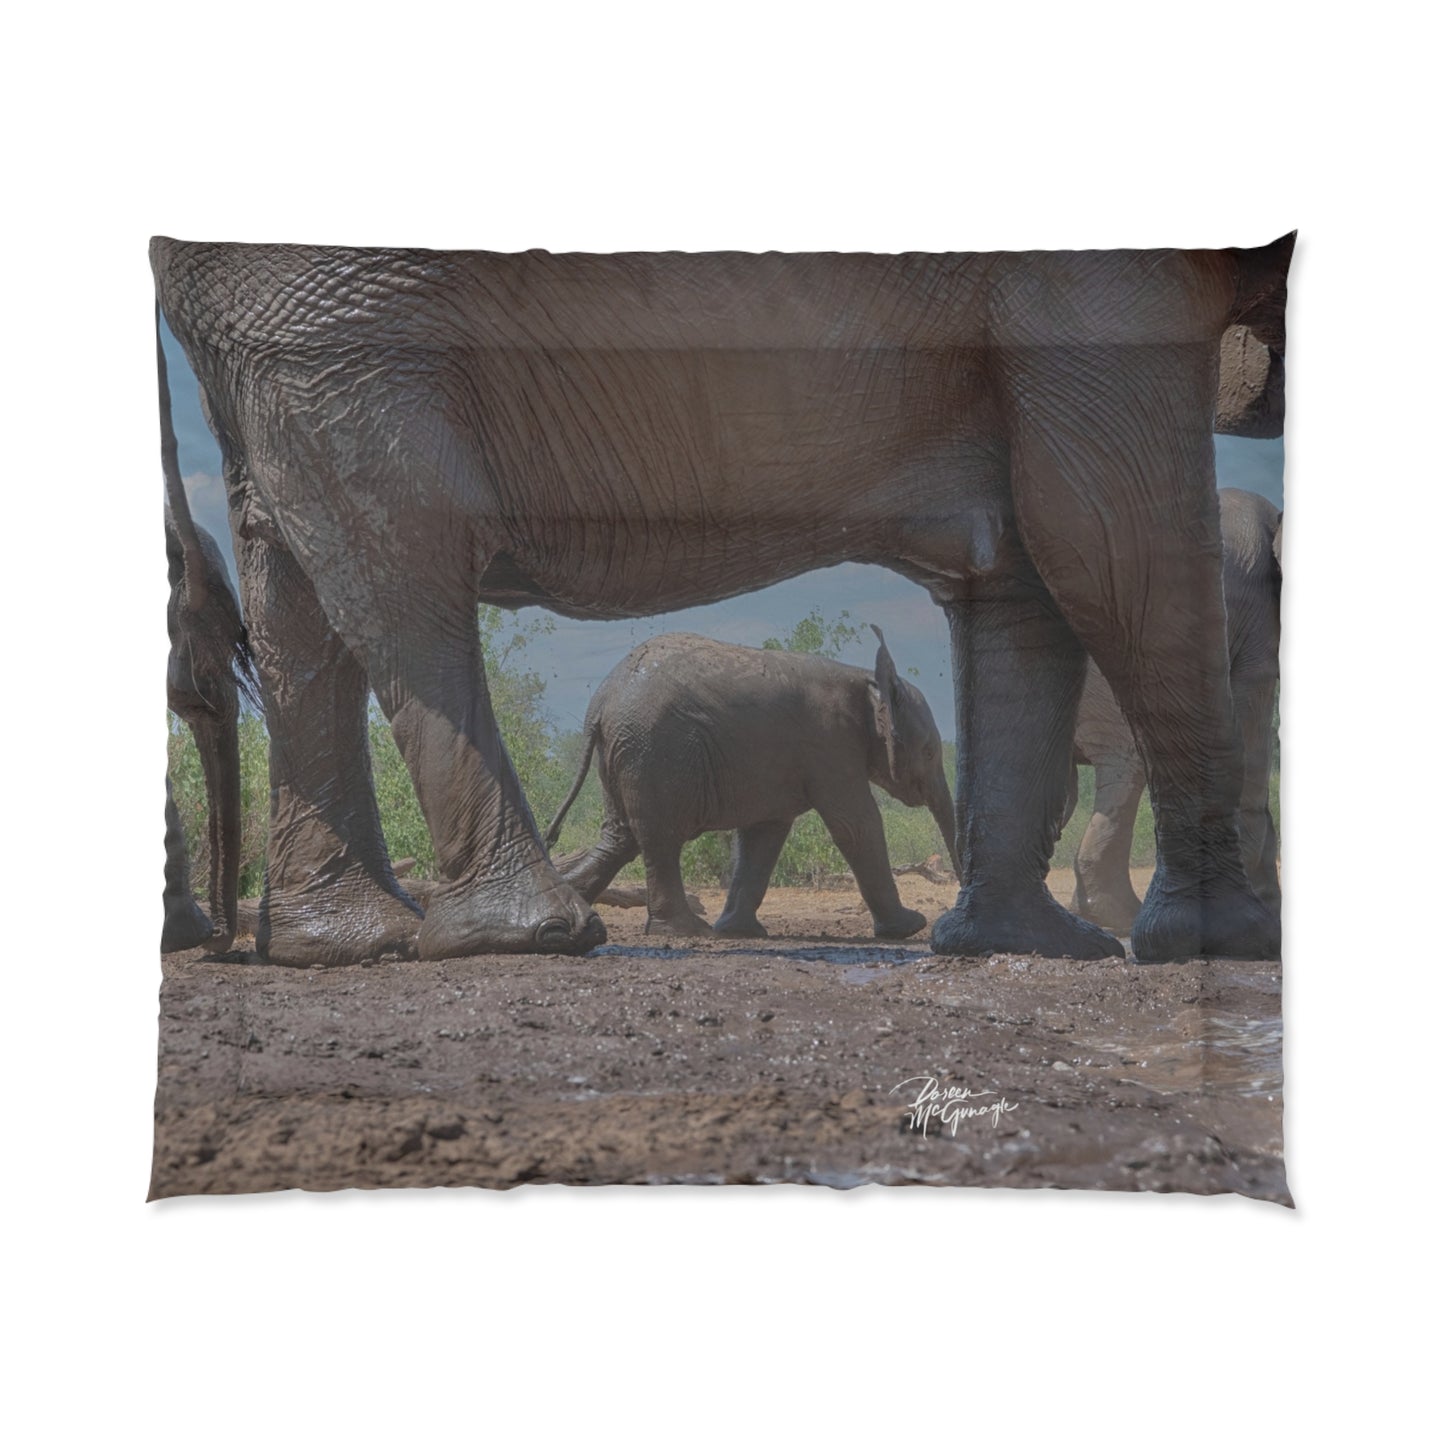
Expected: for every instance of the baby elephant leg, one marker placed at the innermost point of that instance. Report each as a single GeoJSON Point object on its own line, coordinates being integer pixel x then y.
{"type": "Point", "coordinates": [857, 829]}
{"type": "Point", "coordinates": [667, 908]}
{"type": "Point", "coordinates": [1103, 891]}
{"type": "Point", "coordinates": [755, 855]}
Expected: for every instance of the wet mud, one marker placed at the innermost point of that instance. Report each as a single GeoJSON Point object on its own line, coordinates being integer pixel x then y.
{"type": "Point", "coordinates": [802, 1058]}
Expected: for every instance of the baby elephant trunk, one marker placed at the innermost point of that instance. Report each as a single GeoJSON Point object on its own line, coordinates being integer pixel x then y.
{"type": "Point", "coordinates": [940, 804]}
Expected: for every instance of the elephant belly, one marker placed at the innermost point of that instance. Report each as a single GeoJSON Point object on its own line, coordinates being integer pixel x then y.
{"type": "Point", "coordinates": [637, 482]}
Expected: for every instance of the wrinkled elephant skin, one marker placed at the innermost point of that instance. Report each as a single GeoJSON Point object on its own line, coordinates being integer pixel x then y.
{"type": "Point", "coordinates": [1104, 892]}
{"type": "Point", "coordinates": [405, 433]}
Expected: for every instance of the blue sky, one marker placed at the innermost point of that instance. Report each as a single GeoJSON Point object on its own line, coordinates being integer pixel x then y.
{"type": "Point", "coordinates": [578, 655]}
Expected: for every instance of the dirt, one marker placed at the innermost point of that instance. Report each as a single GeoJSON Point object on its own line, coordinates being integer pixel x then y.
{"type": "Point", "coordinates": [785, 1059]}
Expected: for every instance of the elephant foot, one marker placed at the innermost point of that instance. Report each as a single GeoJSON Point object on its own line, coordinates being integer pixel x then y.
{"type": "Point", "coordinates": [1218, 920]}
{"type": "Point", "coordinates": [186, 926]}
{"type": "Point", "coordinates": [735, 925]}
{"type": "Point", "coordinates": [982, 923]}
{"type": "Point", "coordinates": [1109, 908]}
{"type": "Point", "coordinates": [533, 911]}
{"type": "Point", "coordinates": [903, 924]}
{"type": "Point", "coordinates": [334, 922]}
{"type": "Point", "coordinates": [681, 925]}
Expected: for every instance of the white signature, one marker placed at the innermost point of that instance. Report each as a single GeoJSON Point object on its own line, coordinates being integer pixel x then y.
{"type": "Point", "coordinates": [950, 1106]}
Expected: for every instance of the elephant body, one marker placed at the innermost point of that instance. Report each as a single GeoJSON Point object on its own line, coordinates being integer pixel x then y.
{"type": "Point", "coordinates": [405, 433]}
{"type": "Point", "coordinates": [694, 736]}
{"type": "Point", "coordinates": [1103, 891]}
{"type": "Point", "coordinates": [208, 655]}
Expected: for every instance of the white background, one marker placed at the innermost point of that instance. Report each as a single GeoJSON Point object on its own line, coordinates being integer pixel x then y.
{"type": "Point", "coordinates": [678, 1313]}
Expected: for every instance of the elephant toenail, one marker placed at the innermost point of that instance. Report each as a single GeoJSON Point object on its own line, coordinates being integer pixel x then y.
{"type": "Point", "coordinates": [553, 934]}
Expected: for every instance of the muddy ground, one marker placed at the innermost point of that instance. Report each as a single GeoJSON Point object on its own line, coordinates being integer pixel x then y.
{"type": "Point", "coordinates": [779, 1060]}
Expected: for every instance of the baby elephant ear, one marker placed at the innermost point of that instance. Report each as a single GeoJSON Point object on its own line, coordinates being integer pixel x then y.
{"type": "Point", "coordinates": [885, 692]}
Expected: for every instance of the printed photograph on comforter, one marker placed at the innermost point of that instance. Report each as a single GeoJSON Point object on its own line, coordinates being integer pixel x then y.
{"type": "Point", "coordinates": [721, 718]}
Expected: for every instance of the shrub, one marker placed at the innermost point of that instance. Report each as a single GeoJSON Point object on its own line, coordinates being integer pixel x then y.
{"type": "Point", "coordinates": [816, 634]}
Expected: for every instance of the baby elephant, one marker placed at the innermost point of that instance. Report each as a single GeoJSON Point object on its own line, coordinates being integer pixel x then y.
{"type": "Point", "coordinates": [694, 736]}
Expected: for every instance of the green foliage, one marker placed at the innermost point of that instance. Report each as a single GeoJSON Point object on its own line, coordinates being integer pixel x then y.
{"type": "Point", "coordinates": [402, 823]}
{"type": "Point", "coordinates": [518, 693]}
{"type": "Point", "coordinates": [809, 858]}
{"type": "Point", "coordinates": [816, 634]}
{"type": "Point", "coordinates": [707, 862]}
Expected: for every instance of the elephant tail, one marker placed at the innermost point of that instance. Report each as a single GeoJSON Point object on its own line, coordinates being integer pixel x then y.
{"type": "Point", "coordinates": [554, 831]}
{"type": "Point", "coordinates": [180, 509]}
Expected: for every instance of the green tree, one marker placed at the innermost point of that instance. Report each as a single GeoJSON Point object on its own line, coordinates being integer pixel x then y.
{"type": "Point", "coordinates": [816, 634]}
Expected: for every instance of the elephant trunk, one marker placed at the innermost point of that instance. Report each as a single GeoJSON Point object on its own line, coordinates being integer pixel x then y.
{"type": "Point", "coordinates": [218, 742]}
{"type": "Point", "coordinates": [941, 806]}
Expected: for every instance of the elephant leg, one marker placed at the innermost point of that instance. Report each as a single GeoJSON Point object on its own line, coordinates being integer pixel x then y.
{"type": "Point", "coordinates": [499, 892]}
{"type": "Point", "coordinates": [599, 865]}
{"type": "Point", "coordinates": [1112, 462]}
{"type": "Point", "coordinates": [330, 895]}
{"type": "Point", "coordinates": [853, 822]}
{"type": "Point", "coordinates": [1018, 674]}
{"type": "Point", "coordinates": [667, 906]}
{"type": "Point", "coordinates": [755, 855]}
{"type": "Point", "coordinates": [186, 926]}
{"type": "Point", "coordinates": [1258, 841]}
{"type": "Point", "coordinates": [1104, 892]}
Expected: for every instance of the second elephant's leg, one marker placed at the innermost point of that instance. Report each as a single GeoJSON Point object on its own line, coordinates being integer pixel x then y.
{"type": "Point", "coordinates": [1258, 840]}
{"type": "Point", "coordinates": [1104, 891]}
{"type": "Point", "coordinates": [755, 855]}
{"type": "Point", "coordinates": [1112, 459]}
{"type": "Point", "coordinates": [1018, 672]}
{"type": "Point", "coordinates": [330, 895]}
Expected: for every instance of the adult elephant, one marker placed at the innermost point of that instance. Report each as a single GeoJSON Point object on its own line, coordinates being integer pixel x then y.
{"type": "Point", "coordinates": [1103, 890]}
{"type": "Point", "coordinates": [208, 655]}
{"type": "Point", "coordinates": [695, 736]}
{"type": "Point", "coordinates": [404, 432]}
